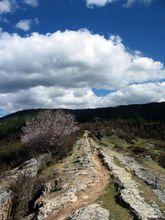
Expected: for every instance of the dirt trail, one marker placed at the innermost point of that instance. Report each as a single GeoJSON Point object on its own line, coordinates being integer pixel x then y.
{"type": "Point", "coordinates": [93, 190]}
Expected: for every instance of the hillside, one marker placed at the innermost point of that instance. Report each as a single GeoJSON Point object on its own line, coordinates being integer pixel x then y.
{"type": "Point", "coordinates": [150, 111]}
{"type": "Point", "coordinates": [144, 121]}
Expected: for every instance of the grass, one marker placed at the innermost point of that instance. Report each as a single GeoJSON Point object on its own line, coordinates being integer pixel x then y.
{"type": "Point", "coordinates": [119, 142]}
{"type": "Point", "coordinates": [13, 153]}
{"type": "Point", "coordinates": [153, 165]}
{"type": "Point", "coordinates": [154, 146]}
{"type": "Point", "coordinates": [58, 165]}
{"type": "Point", "coordinates": [137, 147]}
{"type": "Point", "coordinates": [108, 201]}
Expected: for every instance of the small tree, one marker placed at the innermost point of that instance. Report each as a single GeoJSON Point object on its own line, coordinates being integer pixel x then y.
{"type": "Point", "coordinates": [49, 129]}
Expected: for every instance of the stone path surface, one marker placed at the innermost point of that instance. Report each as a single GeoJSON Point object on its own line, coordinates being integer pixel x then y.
{"type": "Point", "coordinates": [85, 180]}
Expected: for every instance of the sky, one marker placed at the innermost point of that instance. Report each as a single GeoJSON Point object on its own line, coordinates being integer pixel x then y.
{"type": "Point", "coordinates": [81, 53]}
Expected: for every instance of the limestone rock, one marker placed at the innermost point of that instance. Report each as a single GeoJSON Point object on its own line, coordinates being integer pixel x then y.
{"type": "Point", "coordinates": [160, 194]}
{"type": "Point", "coordinates": [129, 190]}
{"type": "Point", "coordinates": [27, 171]}
{"type": "Point", "coordinates": [142, 173]}
{"type": "Point", "coordinates": [147, 177]}
{"type": "Point", "coordinates": [90, 212]}
{"type": "Point", "coordinates": [5, 203]}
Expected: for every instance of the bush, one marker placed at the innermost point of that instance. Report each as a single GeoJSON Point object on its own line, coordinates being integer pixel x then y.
{"type": "Point", "coordinates": [49, 129]}
{"type": "Point", "coordinates": [139, 150]}
{"type": "Point", "coordinates": [162, 159]}
{"type": "Point", "coordinates": [11, 127]}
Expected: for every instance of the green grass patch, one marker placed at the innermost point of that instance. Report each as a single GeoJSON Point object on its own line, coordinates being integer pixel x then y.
{"type": "Point", "coordinates": [153, 165]}
{"type": "Point", "coordinates": [108, 201]}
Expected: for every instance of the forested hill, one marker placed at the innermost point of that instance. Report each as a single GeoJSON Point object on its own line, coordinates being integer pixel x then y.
{"type": "Point", "coordinates": [150, 111]}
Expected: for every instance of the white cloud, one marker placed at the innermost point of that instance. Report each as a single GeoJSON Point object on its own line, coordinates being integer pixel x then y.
{"type": "Point", "coordinates": [5, 6]}
{"type": "Point", "coordinates": [131, 2]}
{"type": "Point", "coordinates": [26, 24]}
{"type": "Point", "coordinates": [136, 94]}
{"type": "Point", "coordinates": [128, 3]}
{"type": "Point", "coordinates": [99, 3]}
{"type": "Point", "coordinates": [8, 6]}
{"type": "Point", "coordinates": [60, 70]}
{"type": "Point", "coordinates": [33, 3]}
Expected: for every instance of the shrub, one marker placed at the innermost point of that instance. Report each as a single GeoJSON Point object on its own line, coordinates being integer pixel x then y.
{"type": "Point", "coordinates": [139, 150]}
{"type": "Point", "coordinates": [11, 127]}
{"type": "Point", "coordinates": [49, 129]}
{"type": "Point", "coordinates": [162, 159]}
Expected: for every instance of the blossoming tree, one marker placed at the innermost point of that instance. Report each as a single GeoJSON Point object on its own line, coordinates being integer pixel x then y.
{"type": "Point", "coordinates": [49, 129]}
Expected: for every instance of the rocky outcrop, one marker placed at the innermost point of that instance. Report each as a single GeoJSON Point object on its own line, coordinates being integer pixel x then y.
{"type": "Point", "coordinates": [161, 194]}
{"type": "Point", "coordinates": [144, 174]}
{"type": "Point", "coordinates": [90, 212]}
{"type": "Point", "coordinates": [55, 204]}
{"type": "Point", "coordinates": [140, 171]}
{"type": "Point", "coordinates": [5, 203]}
{"type": "Point", "coordinates": [129, 189]}
{"type": "Point", "coordinates": [19, 181]}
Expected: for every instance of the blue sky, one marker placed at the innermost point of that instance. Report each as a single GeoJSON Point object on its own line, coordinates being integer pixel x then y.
{"type": "Point", "coordinates": [141, 27]}
{"type": "Point", "coordinates": [134, 28]}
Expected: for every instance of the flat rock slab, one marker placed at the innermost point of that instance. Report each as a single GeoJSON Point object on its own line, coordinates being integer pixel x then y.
{"type": "Point", "coordinates": [144, 174]}
{"type": "Point", "coordinates": [90, 212]}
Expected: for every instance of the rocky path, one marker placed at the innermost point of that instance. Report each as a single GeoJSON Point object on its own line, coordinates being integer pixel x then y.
{"type": "Point", "coordinates": [86, 181]}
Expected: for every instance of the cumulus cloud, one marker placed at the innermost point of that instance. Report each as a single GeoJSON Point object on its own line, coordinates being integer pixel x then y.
{"type": "Point", "coordinates": [136, 94]}
{"type": "Point", "coordinates": [128, 3]}
{"type": "Point", "coordinates": [61, 69]}
{"type": "Point", "coordinates": [26, 24]}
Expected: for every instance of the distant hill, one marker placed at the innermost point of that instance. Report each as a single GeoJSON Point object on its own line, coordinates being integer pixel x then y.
{"type": "Point", "coordinates": [150, 111]}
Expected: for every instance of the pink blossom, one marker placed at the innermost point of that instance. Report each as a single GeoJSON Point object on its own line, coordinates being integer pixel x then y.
{"type": "Point", "coordinates": [49, 128]}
